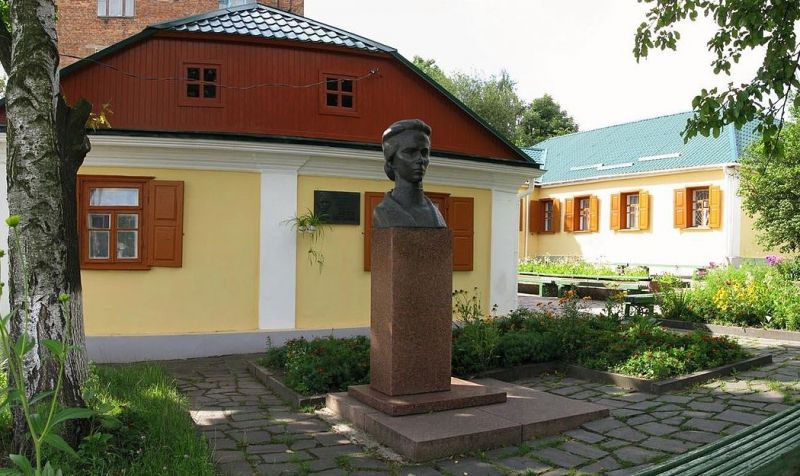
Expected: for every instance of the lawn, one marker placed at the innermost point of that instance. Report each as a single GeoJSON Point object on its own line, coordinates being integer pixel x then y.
{"type": "Point", "coordinates": [147, 428]}
{"type": "Point", "coordinates": [576, 267]}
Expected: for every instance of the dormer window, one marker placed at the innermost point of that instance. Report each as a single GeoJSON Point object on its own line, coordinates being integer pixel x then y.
{"type": "Point", "coordinates": [234, 3]}
{"type": "Point", "coordinates": [338, 94]}
{"type": "Point", "coordinates": [201, 85]}
{"type": "Point", "coordinates": [115, 8]}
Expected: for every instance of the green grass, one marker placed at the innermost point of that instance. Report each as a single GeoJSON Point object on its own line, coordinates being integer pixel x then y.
{"type": "Point", "coordinates": [5, 419]}
{"type": "Point", "coordinates": [154, 436]}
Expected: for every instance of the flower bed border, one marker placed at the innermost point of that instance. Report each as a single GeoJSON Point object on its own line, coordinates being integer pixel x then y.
{"type": "Point", "coordinates": [756, 332]}
{"type": "Point", "coordinates": [286, 394]}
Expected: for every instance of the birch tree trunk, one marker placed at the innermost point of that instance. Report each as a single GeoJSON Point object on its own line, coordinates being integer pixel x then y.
{"type": "Point", "coordinates": [46, 144]}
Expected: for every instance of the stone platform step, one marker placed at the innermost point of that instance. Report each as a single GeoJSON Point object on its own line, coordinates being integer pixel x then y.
{"type": "Point", "coordinates": [771, 447]}
{"type": "Point", "coordinates": [526, 414]}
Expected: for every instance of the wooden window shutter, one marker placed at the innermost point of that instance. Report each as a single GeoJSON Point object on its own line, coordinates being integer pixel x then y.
{"type": "Point", "coordinates": [462, 220]}
{"type": "Point", "coordinates": [166, 223]}
{"type": "Point", "coordinates": [594, 213]}
{"type": "Point", "coordinates": [521, 213]}
{"type": "Point", "coordinates": [616, 221]}
{"type": "Point", "coordinates": [569, 215]}
{"type": "Point", "coordinates": [536, 217]}
{"type": "Point", "coordinates": [556, 215]}
{"type": "Point", "coordinates": [371, 200]}
{"type": "Point", "coordinates": [679, 196]}
{"type": "Point", "coordinates": [714, 206]}
{"type": "Point", "coordinates": [644, 210]}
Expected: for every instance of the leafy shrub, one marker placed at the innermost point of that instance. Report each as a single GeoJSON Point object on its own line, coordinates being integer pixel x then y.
{"type": "Point", "coordinates": [325, 364]}
{"type": "Point", "coordinates": [655, 364]}
{"type": "Point", "coordinates": [789, 268]}
{"type": "Point", "coordinates": [475, 346]}
{"type": "Point", "coordinates": [516, 348]}
{"type": "Point", "coordinates": [577, 267]}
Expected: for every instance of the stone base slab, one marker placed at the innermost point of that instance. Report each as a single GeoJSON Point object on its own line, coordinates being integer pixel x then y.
{"type": "Point", "coordinates": [462, 394]}
{"type": "Point", "coordinates": [526, 414]}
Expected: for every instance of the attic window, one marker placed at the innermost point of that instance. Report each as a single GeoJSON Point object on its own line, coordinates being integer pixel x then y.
{"type": "Point", "coordinates": [200, 85]}
{"type": "Point", "coordinates": [234, 3]}
{"type": "Point", "coordinates": [338, 94]}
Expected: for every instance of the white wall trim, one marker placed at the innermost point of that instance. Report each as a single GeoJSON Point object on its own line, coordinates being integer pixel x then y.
{"type": "Point", "coordinates": [277, 287]}
{"type": "Point", "coordinates": [504, 251]}
{"type": "Point", "coordinates": [210, 154]}
{"type": "Point", "coordinates": [652, 173]}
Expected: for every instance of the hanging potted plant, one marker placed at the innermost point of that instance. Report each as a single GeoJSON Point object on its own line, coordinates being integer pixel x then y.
{"type": "Point", "coordinates": [312, 226]}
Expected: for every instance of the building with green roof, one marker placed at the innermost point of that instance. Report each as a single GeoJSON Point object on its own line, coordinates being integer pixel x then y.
{"type": "Point", "coordinates": [636, 193]}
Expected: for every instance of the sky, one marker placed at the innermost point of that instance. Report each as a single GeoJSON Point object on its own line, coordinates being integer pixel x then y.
{"type": "Point", "coordinates": [578, 51]}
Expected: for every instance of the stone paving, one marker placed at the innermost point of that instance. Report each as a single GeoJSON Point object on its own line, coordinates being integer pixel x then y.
{"type": "Point", "coordinates": [253, 432]}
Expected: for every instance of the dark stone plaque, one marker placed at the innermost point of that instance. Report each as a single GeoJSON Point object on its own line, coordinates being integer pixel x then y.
{"type": "Point", "coordinates": [338, 208]}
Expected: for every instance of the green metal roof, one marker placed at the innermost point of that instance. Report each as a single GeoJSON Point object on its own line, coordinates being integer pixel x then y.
{"type": "Point", "coordinates": [649, 145]}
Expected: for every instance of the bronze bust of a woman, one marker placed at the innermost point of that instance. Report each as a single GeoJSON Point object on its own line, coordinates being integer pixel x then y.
{"type": "Point", "coordinates": [407, 153]}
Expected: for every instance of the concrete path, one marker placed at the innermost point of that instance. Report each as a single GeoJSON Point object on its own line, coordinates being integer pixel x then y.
{"type": "Point", "coordinates": [252, 432]}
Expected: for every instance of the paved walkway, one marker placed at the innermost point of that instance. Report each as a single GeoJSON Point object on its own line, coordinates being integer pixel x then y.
{"type": "Point", "coordinates": [252, 432]}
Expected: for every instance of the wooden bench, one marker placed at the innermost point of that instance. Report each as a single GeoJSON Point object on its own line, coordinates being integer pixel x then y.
{"type": "Point", "coordinates": [562, 284]}
{"type": "Point", "coordinates": [771, 447]}
{"type": "Point", "coordinates": [641, 304]}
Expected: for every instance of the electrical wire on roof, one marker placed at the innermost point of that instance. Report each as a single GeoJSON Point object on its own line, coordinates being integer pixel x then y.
{"type": "Point", "coordinates": [372, 72]}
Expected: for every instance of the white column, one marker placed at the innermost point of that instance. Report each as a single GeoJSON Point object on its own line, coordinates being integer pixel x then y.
{"type": "Point", "coordinates": [278, 253]}
{"type": "Point", "coordinates": [732, 215]}
{"type": "Point", "coordinates": [504, 250]}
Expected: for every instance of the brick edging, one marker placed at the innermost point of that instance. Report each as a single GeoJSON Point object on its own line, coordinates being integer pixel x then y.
{"type": "Point", "coordinates": [281, 390]}
{"type": "Point", "coordinates": [755, 332]}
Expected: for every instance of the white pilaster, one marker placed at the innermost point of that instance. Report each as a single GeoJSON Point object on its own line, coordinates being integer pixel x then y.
{"type": "Point", "coordinates": [504, 250]}
{"type": "Point", "coordinates": [732, 213]}
{"type": "Point", "coordinates": [278, 253]}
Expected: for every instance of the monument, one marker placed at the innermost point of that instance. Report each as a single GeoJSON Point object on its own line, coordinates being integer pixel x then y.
{"type": "Point", "coordinates": [412, 402]}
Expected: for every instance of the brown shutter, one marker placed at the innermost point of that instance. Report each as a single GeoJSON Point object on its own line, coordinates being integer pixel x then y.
{"type": "Point", "coordinates": [679, 201]}
{"type": "Point", "coordinates": [644, 210]}
{"type": "Point", "coordinates": [165, 213]}
{"type": "Point", "coordinates": [616, 222]}
{"type": "Point", "coordinates": [536, 217]}
{"type": "Point", "coordinates": [521, 213]}
{"type": "Point", "coordinates": [594, 213]}
{"type": "Point", "coordinates": [462, 211]}
{"type": "Point", "coordinates": [569, 215]}
{"type": "Point", "coordinates": [714, 206]}
{"type": "Point", "coordinates": [371, 200]}
{"type": "Point", "coordinates": [556, 215]}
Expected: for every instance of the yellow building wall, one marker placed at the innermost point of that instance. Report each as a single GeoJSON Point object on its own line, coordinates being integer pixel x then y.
{"type": "Point", "coordinates": [339, 295]}
{"type": "Point", "coordinates": [749, 248]}
{"type": "Point", "coordinates": [662, 244]}
{"type": "Point", "coordinates": [216, 289]}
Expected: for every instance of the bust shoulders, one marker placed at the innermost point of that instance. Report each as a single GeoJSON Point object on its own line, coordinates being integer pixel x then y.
{"type": "Point", "coordinates": [389, 213]}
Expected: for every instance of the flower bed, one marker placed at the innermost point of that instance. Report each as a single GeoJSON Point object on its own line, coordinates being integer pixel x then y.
{"type": "Point", "coordinates": [639, 348]}
{"type": "Point", "coordinates": [762, 296]}
{"type": "Point", "coordinates": [576, 267]}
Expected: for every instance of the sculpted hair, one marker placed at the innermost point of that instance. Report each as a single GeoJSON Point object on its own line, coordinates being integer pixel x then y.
{"type": "Point", "coordinates": [390, 146]}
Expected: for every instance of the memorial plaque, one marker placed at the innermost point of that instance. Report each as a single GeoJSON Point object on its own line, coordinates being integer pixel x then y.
{"type": "Point", "coordinates": [338, 208]}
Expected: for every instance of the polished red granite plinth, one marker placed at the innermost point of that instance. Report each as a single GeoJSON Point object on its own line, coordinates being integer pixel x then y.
{"type": "Point", "coordinates": [411, 310]}
{"type": "Point", "coordinates": [462, 394]}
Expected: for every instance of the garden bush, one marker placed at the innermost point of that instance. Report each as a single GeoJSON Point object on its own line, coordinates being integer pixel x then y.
{"type": "Point", "coordinates": [577, 267]}
{"type": "Point", "coordinates": [751, 295]}
{"type": "Point", "coordinates": [324, 364]}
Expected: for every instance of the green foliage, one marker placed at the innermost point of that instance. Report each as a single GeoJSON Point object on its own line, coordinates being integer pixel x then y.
{"type": "Point", "coordinates": [324, 364]}
{"type": "Point", "coordinates": [752, 295]}
{"type": "Point", "coordinates": [770, 189]}
{"type": "Point", "coordinates": [742, 26]}
{"type": "Point", "coordinates": [567, 266]}
{"type": "Point", "coordinates": [495, 99]}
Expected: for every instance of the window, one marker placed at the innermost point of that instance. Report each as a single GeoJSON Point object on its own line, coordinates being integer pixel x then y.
{"type": "Point", "coordinates": [234, 3]}
{"type": "Point", "coordinates": [338, 94]}
{"type": "Point", "coordinates": [129, 222]}
{"type": "Point", "coordinates": [201, 85]}
{"type": "Point", "coordinates": [115, 8]}
{"type": "Point", "coordinates": [698, 207]}
{"type": "Point", "coordinates": [544, 216]}
{"type": "Point", "coordinates": [581, 214]}
{"type": "Point", "coordinates": [630, 211]}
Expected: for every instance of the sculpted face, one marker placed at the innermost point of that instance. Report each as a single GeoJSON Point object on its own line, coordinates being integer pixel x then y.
{"type": "Point", "coordinates": [413, 156]}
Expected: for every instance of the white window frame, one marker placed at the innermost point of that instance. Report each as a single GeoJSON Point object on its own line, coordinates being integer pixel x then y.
{"type": "Point", "coordinates": [585, 213]}
{"type": "Point", "coordinates": [547, 219]}
{"type": "Point", "coordinates": [702, 205]}
{"type": "Point", "coordinates": [631, 211]}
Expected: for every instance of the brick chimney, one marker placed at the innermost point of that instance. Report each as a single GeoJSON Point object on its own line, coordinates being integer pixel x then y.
{"type": "Point", "coordinates": [87, 26]}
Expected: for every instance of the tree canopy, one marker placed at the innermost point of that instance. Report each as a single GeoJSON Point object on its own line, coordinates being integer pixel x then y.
{"type": "Point", "coordinates": [742, 26]}
{"type": "Point", "coordinates": [495, 99]}
{"type": "Point", "coordinates": [770, 189]}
